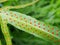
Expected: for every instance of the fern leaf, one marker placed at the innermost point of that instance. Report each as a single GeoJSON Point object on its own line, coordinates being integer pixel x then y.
{"type": "Point", "coordinates": [33, 26]}
{"type": "Point", "coordinates": [5, 31]}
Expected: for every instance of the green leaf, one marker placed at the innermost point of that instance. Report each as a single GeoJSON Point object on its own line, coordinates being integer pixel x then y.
{"type": "Point", "coordinates": [5, 31]}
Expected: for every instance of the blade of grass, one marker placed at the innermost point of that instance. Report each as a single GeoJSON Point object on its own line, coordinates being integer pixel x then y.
{"type": "Point", "coordinates": [20, 6]}
{"type": "Point", "coordinates": [0, 42]}
{"type": "Point", "coordinates": [2, 1]}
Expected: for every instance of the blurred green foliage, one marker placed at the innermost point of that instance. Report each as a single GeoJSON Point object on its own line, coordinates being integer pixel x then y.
{"type": "Point", "coordinates": [45, 10]}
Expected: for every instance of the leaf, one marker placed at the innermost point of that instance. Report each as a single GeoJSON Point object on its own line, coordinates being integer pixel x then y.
{"type": "Point", "coordinates": [5, 31]}
{"type": "Point", "coordinates": [0, 42]}
{"type": "Point", "coordinates": [32, 26]}
{"type": "Point", "coordinates": [2, 1]}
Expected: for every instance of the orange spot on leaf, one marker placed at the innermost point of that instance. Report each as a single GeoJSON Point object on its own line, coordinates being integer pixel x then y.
{"type": "Point", "coordinates": [52, 32]}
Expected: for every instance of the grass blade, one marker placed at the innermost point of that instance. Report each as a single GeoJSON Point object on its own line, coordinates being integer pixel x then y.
{"type": "Point", "coordinates": [2, 1]}
{"type": "Point", "coordinates": [0, 42]}
{"type": "Point", "coordinates": [20, 6]}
